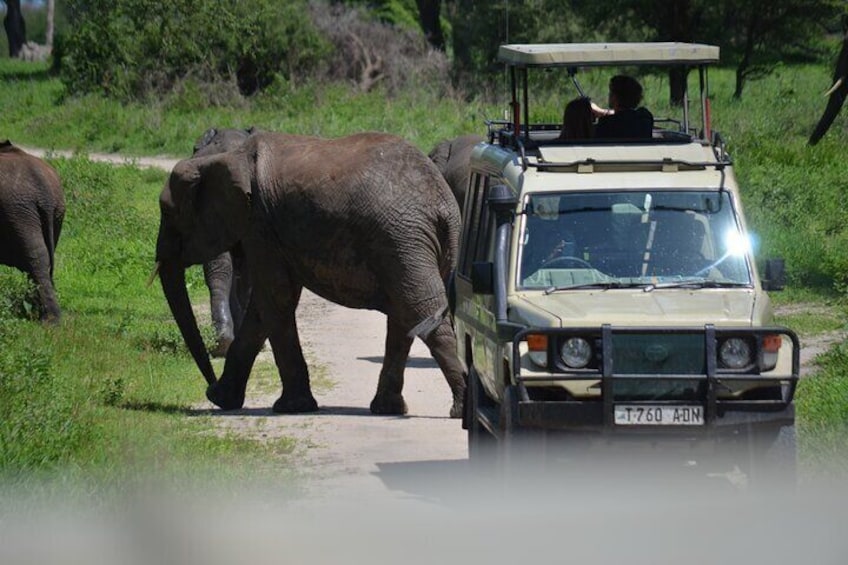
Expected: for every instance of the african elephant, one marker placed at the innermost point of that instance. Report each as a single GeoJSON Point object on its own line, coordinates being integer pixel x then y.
{"type": "Point", "coordinates": [32, 208]}
{"type": "Point", "coordinates": [225, 275]}
{"type": "Point", "coordinates": [452, 157]}
{"type": "Point", "coordinates": [838, 92]}
{"type": "Point", "coordinates": [365, 221]}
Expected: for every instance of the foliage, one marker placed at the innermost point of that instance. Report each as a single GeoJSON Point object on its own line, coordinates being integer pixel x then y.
{"type": "Point", "coordinates": [367, 53]}
{"type": "Point", "coordinates": [134, 49]}
{"type": "Point", "coordinates": [754, 36]}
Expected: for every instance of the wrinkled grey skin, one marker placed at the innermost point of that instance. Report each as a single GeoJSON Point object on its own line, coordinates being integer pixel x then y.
{"type": "Point", "coordinates": [453, 158]}
{"type": "Point", "coordinates": [32, 208]}
{"type": "Point", "coordinates": [365, 221]}
{"type": "Point", "coordinates": [225, 275]}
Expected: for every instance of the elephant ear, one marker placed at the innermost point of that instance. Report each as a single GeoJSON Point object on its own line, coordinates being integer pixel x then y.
{"type": "Point", "coordinates": [222, 199]}
{"type": "Point", "coordinates": [205, 139]}
{"type": "Point", "coordinates": [207, 201]}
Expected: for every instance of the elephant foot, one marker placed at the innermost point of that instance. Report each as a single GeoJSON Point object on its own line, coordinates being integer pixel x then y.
{"type": "Point", "coordinates": [295, 404]}
{"type": "Point", "coordinates": [458, 406]}
{"type": "Point", "coordinates": [388, 405]}
{"type": "Point", "coordinates": [225, 397]}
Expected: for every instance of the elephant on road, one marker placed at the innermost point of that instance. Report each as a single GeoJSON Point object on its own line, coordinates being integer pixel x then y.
{"type": "Point", "coordinates": [225, 275]}
{"type": "Point", "coordinates": [453, 158]}
{"type": "Point", "coordinates": [32, 208]}
{"type": "Point", "coordinates": [366, 221]}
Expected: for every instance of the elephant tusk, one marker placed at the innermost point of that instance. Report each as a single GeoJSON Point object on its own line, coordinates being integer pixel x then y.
{"type": "Point", "coordinates": [153, 274]}
{"type": "Point", "coordinates": [835, 86]}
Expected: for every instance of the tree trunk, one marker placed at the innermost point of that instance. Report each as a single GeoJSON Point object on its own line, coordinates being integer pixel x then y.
{"type": "Point", "coordinates": [15, 27]}
{"type": "Point", "coordinates": [429, 14]}
{"type": "Point", "coordinates": [838, 92]}
{"type": "Point", "coordinates": [51, 16]}
{"type": "Point", "coordinates": [679, 16]}
{"type": "Point", "coordinates": [742, 67]}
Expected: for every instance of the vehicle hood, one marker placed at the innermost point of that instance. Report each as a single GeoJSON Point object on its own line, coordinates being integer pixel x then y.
{"type": "Point", "coordinates": [635, 307]}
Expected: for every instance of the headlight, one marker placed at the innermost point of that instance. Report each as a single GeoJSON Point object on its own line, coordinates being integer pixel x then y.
{"type": "Point", "coordinates": [735, 353]}
{"type": "Point", "coordinates": [537, 344]}
{"type": "Point", "coordinates": [576, 352]}
{"type": "Point", "coordinates": [770, 352]}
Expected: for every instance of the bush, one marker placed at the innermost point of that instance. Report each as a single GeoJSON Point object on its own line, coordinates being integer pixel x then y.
{"type": "Point", "coordinates": [18, 297]}
{"type": "Point", "coordinates": [368, 53]}
{"type": "Point", "coordinates": [139, 49]}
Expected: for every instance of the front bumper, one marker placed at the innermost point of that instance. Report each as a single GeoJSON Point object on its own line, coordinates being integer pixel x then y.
{"type": "Point", "coordinates": [721, 413]}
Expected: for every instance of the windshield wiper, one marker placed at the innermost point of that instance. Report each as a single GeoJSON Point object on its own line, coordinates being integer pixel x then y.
{"type": "Point", "coordinates": [696, 283]}
{"type": "Point", "coordinates": [602, 285]}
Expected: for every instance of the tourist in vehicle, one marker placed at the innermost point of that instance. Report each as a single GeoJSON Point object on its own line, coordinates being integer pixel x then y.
{"type": "Point", "coordinates": [578, 120]}
{"type": "Point", "coordinates": [624, 118]}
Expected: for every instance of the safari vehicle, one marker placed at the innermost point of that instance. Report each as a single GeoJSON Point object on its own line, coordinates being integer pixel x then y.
{"type": "Point", "coordinates": [607, 289]}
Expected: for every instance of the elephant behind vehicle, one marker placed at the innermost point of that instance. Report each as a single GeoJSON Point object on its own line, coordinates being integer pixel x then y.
{"type": "Point", "coordinates": [32, 209]}
{"type": "Point", "coordinates": [365, 221]}
{"type": "Point", "coordinates": [453, 158]}
{"type": "Point", "coordinates": [225, 275]}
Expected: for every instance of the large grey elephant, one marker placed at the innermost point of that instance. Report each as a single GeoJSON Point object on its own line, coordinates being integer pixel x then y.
{"type": "Point", "coordinates": [837, 93]}
{"type": "Point", "coordinates": [453, 158]}
{"type": "Point", "coordinates": [225, 275]}
{"type": "Point", "coordinates": [365, 221]}
{"type": "Point", "coordinates": [32, 208]}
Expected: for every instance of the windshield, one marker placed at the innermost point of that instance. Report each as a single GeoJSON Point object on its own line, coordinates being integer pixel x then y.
{"type": "Point", "coordinates": [622, 239]}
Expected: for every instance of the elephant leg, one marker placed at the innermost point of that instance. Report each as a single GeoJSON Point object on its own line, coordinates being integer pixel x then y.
{"type": "Point", "coordinates": [218, 274]}
{"type": "Point", "coordinates": [389, 397]}
{"type": "Point", "coordinates": [228, 392]}
{"type": "Point", "coordinates": [38, 266]}
{"type": "Point", "coordinates": [296, 396]}
{"type": "Point", "coordinates": [240, 288]}
{"type": "Point", "coordinates": [442, 345]}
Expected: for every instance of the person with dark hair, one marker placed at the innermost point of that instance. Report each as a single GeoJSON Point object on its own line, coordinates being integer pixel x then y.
{"type": "Point", "coordinates": [625, 118]}
{"type": "Point", "coordinates": [578, 119]}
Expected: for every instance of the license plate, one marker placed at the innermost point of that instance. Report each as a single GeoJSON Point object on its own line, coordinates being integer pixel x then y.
{"type": "Point", "coordinates": [646, 415]}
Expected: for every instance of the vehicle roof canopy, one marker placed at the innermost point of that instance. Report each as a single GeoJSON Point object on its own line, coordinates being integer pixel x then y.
{"type": "Point", "coordinates": [600, 54]}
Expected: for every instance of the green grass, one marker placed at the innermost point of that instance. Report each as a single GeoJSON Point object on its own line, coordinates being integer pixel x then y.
{"type": "Point", "coordinates": [107, 397]}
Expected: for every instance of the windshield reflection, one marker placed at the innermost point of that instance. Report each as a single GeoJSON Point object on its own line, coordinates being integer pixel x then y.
{"type": "Point", "coordinates": [611, 240]}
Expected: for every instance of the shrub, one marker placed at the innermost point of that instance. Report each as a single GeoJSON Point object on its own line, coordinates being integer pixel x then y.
{"type": "Point", "coordinates": [368, 53]}
{"type": "Point", "coordinates": [138, 49]}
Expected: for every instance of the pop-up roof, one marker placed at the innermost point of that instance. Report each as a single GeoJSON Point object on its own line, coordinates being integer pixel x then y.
{"type": "Point", "coordinates": [597, 54]}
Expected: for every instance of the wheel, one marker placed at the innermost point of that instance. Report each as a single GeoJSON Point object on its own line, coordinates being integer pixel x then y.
{"type": "Point", "coordinates": [564, 260]}
{"type": "Point", "coordinates": [482, 446]}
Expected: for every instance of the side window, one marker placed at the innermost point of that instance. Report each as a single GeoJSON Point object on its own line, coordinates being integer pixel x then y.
{"type": "Point", "coordinates": [474, 209]}
{"type": "Point", "coordinates": [486, 236]}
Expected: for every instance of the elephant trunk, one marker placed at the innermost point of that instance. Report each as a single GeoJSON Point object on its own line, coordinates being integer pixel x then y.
{"type": "Point", "coordinates": [172, 276]}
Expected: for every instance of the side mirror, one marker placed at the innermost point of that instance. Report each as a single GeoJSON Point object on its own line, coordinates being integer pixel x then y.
{"type": "Point", "coordinates": [483, 277]}
{"type": "Point", "coordinates": [775, 275]}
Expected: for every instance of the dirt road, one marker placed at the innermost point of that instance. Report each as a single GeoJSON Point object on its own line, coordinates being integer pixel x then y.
{"type": "Point", "coordinates": [343, 449]}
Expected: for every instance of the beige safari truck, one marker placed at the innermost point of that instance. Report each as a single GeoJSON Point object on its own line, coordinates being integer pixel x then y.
{"type": "Point", "coordinates": [607, 288]}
